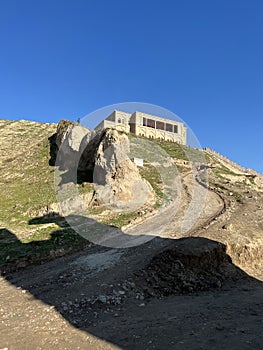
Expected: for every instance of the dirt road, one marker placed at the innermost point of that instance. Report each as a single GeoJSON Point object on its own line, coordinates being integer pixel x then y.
{"type": "Point", "coordinates": [80, 302]}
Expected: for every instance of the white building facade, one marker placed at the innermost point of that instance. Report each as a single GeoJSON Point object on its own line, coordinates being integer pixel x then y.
{"type": "Point", "coordinates": [146, 125]}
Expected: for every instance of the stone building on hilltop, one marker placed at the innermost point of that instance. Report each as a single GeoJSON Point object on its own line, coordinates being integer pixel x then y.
{"type": "Point", "coordinates": [146, 125]}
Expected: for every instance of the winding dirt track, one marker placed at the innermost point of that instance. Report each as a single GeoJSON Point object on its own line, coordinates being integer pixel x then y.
{"type": "Point", "coordinates": [197, 206]}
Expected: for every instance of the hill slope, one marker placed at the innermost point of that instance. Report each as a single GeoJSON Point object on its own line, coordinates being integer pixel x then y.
{"type": "Point", "coordinates": [232, 213]}
{"type": "Point", "coordinates": [182, 290]}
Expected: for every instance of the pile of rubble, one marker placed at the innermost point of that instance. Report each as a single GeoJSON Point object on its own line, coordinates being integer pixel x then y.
{"type": "Point", "coordinates": [191, 265]}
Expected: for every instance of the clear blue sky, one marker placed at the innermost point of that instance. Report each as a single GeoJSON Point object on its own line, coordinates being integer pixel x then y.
{"type": "Point", "coordinates": [203, 60]}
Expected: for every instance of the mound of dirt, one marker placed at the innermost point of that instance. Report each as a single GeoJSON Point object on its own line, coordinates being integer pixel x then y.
{"type": "Point", "coordinates": [191, 265]}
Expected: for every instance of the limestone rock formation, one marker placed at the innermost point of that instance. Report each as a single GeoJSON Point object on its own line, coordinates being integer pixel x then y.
{"type": "Point", "coordinates": [117, 180]}
{"type": "Point", "coordinates": [104, 156]}
{"type": "Point", "coordinates": [71, 140]}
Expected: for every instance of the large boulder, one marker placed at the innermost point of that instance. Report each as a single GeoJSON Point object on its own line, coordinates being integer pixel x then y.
{"type": "Point", "coordinates": [116, 178]}
{"type": "Point", "coordinates": [103, 158]}
{"type": "Point", "coordinates": [71, 141]}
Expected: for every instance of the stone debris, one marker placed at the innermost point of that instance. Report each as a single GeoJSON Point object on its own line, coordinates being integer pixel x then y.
{"type": "Point", "coordinates": [186, 269]}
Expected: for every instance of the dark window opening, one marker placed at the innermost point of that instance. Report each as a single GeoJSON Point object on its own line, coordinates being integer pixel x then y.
{"type": "Point", "coordinates": [132, 128]}
{"type": "Point", "coordinates": [176, 129]}
{"type": "Point", "coordinates": [144, 122]}
{"type": "Point", "coordinates": [159, 125]}
{"type": "Point", "coordinates": [151, 123]}
{"type": "Point", "coordinates": [169, 127]}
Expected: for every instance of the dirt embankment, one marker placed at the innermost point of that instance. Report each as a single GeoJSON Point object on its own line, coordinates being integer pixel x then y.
{"type": "Point", "coordinates": [189, 265]}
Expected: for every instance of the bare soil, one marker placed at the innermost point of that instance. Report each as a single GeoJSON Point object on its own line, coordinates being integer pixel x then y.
{"type": "Point", "coordinates": [92, 300]}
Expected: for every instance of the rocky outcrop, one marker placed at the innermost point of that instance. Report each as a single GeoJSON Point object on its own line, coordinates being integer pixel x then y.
{"type": "Point", "coordinates": [71, 140]}
{"type": "Point", "coordinates": [117, 180]}
{"type": "Point", "coordinates": [103, 157]}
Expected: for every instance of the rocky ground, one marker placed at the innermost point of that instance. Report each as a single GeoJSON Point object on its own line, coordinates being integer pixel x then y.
{"type": "Point", "coordinates": [102, 299]}
{"type": "Point", "coordinates": [182, 289]}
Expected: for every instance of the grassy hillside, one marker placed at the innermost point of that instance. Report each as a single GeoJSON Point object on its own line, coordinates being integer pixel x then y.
{"type": "Point", "coordinates": [27, 187]}
{"type": "Point", "coordinates": [26, 178]}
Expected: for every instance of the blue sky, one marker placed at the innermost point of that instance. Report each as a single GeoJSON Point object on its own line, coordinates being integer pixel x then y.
{"type": "Point", "coordinates": [203, 60]}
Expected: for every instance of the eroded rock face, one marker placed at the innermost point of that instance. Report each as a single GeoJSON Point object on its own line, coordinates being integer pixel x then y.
{"type": "Point", "coordinates": [104, 155]}
{"type": "Point", "coordinates": [71, 141]}
{"type": "Point", "coordinates": [117, 179]}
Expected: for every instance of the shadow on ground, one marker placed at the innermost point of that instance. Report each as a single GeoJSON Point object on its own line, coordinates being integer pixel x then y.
{"type": "Point", "coordinates": [164, 294]}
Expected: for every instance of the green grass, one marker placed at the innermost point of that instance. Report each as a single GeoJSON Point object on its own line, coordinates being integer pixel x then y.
{"type": "Point", "coordinates": [85, 188]}
{"type": "Point", "coordinates": [27, 185]}
{"type": "Point", "coordinates": [122, 220]}
{"type": "Point", "coordinates": [174, 150]}
{"type": "Point", "coordinates": [37, 247]}
{"type": "Point", "coordinates": [149, 173]}
{"type": "Point", "coordinates": [222, 170]}
{"type": "Point", "coordinates": [177, 151]}
{"type": "Point", "coordinates": [31, 187]}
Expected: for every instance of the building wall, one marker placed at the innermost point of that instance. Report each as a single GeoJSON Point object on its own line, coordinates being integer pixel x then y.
{"type": "Point", "coordinates": [117, 120]}
{"type": "Point", "coordinates": [137, 120]}
{"type": "Point", "coordinates": [122, 117]}
{"type": "Point", "coordinates": [135, 123]}
{"type": "Point", "coordinates": [110, 124]}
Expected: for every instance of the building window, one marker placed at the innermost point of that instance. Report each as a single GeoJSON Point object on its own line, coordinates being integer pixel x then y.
{"type": "Point", "coordinates": [119, 120]}
{"type": "Point", "coordinates": [159, 125]}
{"type": "Point", "coordinates": [175, 129]}
{"type": "Point", "coordinates": [169, 127]}
{"type": "Point", "coordinates": [144, 122]}
{"type": "Point", "coordinates": [151, 123]}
